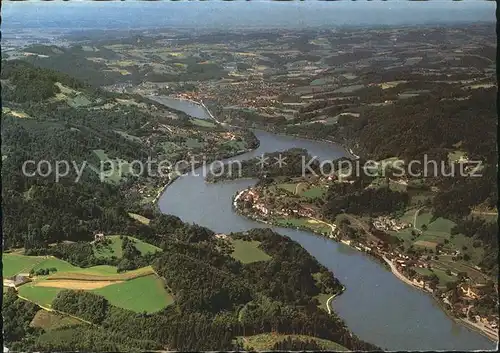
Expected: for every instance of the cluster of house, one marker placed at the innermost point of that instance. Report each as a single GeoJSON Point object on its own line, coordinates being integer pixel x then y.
{"type": "Point", "coordinates": [99, 237]}
{"type": "Point", "coordinates": [191, 96]}
{"type": "Point", "coordinates": [256, 94]}
{"type": "Point", "coordinates": [253, 197]}
{"type": "Point", "coordinates": [401, 261]}
{"type": "Point", "coordinates": [386, 223]}
{"type": "Point", "coordinates": [229, 136]}
{"type": "Point", "coordinates": [17, 280]}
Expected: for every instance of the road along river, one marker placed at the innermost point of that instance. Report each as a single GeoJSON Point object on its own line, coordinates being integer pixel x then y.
{"type": "Point", "coordinates": [376, 305]}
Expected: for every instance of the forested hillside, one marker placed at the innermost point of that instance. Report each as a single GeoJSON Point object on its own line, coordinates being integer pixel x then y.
{"type": "Point", "coordinates": [216, 298]}
{"type": "Point", "coordinates": [48, 116]}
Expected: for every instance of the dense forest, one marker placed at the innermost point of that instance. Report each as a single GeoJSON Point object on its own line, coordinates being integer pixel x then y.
{"type": "Point", "coordinates": [440, 125]}
{"type": "Point", "coordinates": [216, 299]}
{"type": "Point", "coordinates": [65, 210]}
{"type": "Point", "coordinates": [370, 202]}
{"type": "Point", "coordinates": [287, 163]}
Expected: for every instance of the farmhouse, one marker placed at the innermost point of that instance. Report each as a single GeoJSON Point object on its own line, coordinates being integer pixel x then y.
{"type": "Point", "coordinates": [386, 223]}
{"type": "Point", "coordinates": [17, 280]}
{"type": "Point", "coordinates": [98, 237]}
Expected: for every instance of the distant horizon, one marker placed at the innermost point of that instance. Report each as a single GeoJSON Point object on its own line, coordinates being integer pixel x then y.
{"type": "Point", "coordinates": [241, 14]}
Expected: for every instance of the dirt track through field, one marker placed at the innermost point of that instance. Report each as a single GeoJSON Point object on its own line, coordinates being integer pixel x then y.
{"type": "Point", "coordinates": [68, 284]}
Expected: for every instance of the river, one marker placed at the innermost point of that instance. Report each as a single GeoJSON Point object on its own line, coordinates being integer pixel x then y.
{"type": "Point", "coordinates": [376, 306]}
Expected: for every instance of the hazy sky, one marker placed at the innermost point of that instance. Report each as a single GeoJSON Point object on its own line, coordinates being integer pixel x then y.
{"type": "Point", "coordinates": [221, 14]}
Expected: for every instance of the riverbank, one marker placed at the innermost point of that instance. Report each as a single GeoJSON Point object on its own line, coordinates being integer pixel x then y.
{"type": "Point", "coordinates": [329, 300]}
{"type": "Point", "coordinates": [472, 325]}
{"type": "Point", "coordinates": [306, 229]}
{"type": "Point", "coordinates": [486, 332]}
{"type": "Point", "coordinates": [347, 148]}
{"type": "Point", "coordinates": [220, 218]}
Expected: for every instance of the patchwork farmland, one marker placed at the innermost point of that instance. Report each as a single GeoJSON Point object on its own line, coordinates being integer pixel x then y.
{"type": "Point", "coordinates": [39, 279]}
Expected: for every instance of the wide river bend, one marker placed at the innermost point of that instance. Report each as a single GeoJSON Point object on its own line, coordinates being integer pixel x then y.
{"type": "Point", "coordinates": [376, 306]}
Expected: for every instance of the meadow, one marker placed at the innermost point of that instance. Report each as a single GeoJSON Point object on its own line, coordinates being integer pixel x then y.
{"type": "Point", "coordinates": [248, 251]}
{"type": "Point", "coordinates": [138, 290]}
{"type": "Point", "coordinates": [101, 273]}
{"type": "Point", "coordinates": [42, 296]}
{"type": "Point", "coordinates": [120, 168]}
{"type": "Point", "coordinates": [323, 298]}
{"type": "Point", "coordinates": [143, 294]}
{"type": "Point", "coordinates": [140, 218]}
{"type": "Point", "coordinates": [202, 122]}
{"type": "Point", "coordinates": [266, 341]}
{"type": "Point", "coordinates": [303, 189]}
{"type": "Point", "coordinates": [14, 263]}
{"type": "Point", "coordinates": [308, 223]}
{"type": "Point", "coordinates": [115, 247]}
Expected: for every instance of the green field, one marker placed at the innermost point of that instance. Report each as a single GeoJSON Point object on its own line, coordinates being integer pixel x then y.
{"type": "Point", "coordinates": [78, 101]}
{"type": "Point", "coordinates": [140, 218]}
{"type": "Point", "coordinates": [115, 248]}
{"type": "Point", "coordinates": [290, 187]}
{"type": "Point", "coordinates": [42, 296]}
{"type": "Point", "coordinates": [102, 273]}
{"type": "Point", "coordinates": [318, 82]}
{"type": "Point", "coordinates": [443, 277]}
{"type": "Point", "coordinates": [15, 263]}
{"type": "Point", "coordinates": [72, 97]}
{"type": "Point", "coordinates": [303, 189]}
{"type": "Point", "coordinates": [202, 122]}
{"type": "Point", "coordinates": [248, 251]}
{"type": "Point", "coordinates": [120, 168]}
{"type": "Point", "coordinates": [141, 294]}
{"type": "Point", "coordinates": [323, 298]}
{"type": "Point", "coordinates": [423, 218]}
{"type": "Point", "coordinates": [437, 232]}
{"type": "Point", "coordinates": [266, 341]}
{"type": "Point", "coordinates": [101, 270]}
{"type": "Point", "coordinates": [455, 156]}
{"type": "Point", "coordinates": [304, 223]}
{"type": "Point", "coordinates": [446, 262]}
{"type": "Point", "coordinates": [423, 271]}
{"type": "Point", "coordinates": [236, 145]}
{"type": "Point", "coordinates": [194, 143]}
{"type": "Point", "coordinates": [313, 192]}
{"type": "Point", "coordinates": [54, 262]}
{"type": "Point", "coordinates": [408, 216]}
{"type": "Point", "coordinates": [404, 234]}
